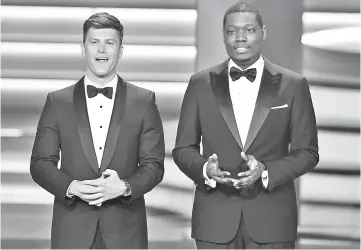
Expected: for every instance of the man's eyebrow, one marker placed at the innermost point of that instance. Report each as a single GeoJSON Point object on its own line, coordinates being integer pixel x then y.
{"type": "Point", "coordinates": [240, 26]}
{"type": "Point", "coordinates": [95, 38]}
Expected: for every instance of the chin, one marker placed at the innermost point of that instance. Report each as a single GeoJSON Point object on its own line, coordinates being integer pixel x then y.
{"type": "Point", "coordinates": [242, 59]}
{"type": "Point", "coordinates": [102, 74]}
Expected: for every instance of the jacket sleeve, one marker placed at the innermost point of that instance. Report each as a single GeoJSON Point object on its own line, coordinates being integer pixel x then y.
{"type": "Point", "coordinates": [186, 153]}
{"type": "Point", "coordinates": [303, 154]}
{"type": "Point", "coordinates": [151, 154]}
{"type": "Point", "coordinates": [45, 155]}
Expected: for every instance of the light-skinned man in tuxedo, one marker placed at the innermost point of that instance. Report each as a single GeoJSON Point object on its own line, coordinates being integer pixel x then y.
{"type": "Point", "coordinates": [111, 140]}
{"type": "Point", "coordinates": [256, 123]}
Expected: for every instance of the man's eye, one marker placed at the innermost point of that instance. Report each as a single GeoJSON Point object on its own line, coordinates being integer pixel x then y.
{"type": "Point", "coordinates": [93, 42]}
{"type": "Point", "coordinates": [231, 32]}
{"type": "Point", "coordinates": [251, 30]}
{"type": "Point", "coordinates": [110, 43]}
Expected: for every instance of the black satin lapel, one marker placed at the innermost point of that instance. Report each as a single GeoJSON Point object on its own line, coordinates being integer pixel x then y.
{"type": "Point", "coordinates": [266, 96]}
{"type": "Point", "coordinates": [83, 125]}
{"type": "Point", "coordinates": [221, 93]}
{"type": "Point", "coordinates": [114, 126]}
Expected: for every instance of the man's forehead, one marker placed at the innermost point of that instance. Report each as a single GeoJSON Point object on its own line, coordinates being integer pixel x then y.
{"type": "Point", "coordinates": [102, 30]}
{"type": "Point", "coordinates": [241, 18]}
{"type": "Point", "coordinates": [241, 15]}
{"type": "Point", "coordinates": [102, 33]}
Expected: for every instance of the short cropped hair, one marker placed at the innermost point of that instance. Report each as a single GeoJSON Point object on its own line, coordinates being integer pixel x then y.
{"type": "Point", "coordinates": [243, 7]}
{"type": "Point", "coordinates": [103, 20]}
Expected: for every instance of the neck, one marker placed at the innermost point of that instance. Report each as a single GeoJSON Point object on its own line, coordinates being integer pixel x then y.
{"type": "Point", "coordinates": [100, 81]}
{"type": "Point", "coordinates": [246, 63]}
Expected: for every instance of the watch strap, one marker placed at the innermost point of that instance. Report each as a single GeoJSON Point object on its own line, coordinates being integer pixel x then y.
{"type": "Point", "coordinates": [128, 189]}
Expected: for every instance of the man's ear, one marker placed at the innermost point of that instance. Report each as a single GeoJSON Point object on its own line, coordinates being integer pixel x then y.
{"type": "Point", "coordinates": [121, 52]}
{"type": "Point", "coordinates": [82, 49]}
{"type": "Point", "coordinates": [264, 32]}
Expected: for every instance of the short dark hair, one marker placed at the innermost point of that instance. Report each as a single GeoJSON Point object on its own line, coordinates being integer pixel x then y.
{"type": "Point", "coordinates": [103, 20]}
{"type": "Point", "coordinates": [243, 7]}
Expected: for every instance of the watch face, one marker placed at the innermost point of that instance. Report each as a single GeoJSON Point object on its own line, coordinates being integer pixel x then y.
{"type": "Point", "coordinates": [127, 190]}
{"type": "Point", "coordinates": [264, 175]}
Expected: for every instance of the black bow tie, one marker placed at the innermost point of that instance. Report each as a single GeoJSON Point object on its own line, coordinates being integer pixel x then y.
{"type": "Point", "coordinates": [236, 73]}
{"type": "Point", "coordinates": [93, 91]}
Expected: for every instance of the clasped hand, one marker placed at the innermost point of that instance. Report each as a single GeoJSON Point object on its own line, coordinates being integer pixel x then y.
{"type": "Point", "coordinates": [246, 178]}
{"type": "Point", "coordinates": [97, 191]}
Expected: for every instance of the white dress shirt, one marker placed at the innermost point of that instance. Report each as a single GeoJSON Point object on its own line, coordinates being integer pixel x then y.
{"type": "Point", "coordinates": [243, 95]}
{"type": "Point", "coordinates": [100, 110]}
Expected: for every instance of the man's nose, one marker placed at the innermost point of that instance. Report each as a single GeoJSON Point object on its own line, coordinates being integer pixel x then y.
{"type": "Point", "coordinates": [241, 36]}
{"type": "Point", "coordinates": [101, 47]}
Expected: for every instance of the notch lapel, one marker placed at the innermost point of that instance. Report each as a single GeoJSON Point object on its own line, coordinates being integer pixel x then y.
{"type": "Point", "coordinates": [220, 87]}
{"type": "Point", "coordinates": [115, 125]}
{"type": "Point", "coordinates": [266, 96]}
{"type": "Point", "coordinates": [82, 120]}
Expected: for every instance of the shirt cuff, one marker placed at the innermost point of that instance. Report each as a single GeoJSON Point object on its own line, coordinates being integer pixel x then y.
{"type": "Point", "coordinates": [67, 191]}
{"type": "Point", "coordinates": [210, 182]}
{"type": "Point", "coordinates": [265, 179]}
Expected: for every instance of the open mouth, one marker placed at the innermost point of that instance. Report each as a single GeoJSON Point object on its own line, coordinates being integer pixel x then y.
{"type": "Point", "coordinates": [101, 59]}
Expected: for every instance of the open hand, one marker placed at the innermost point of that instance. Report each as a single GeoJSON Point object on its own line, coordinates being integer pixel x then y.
{"type": "Point", "coordinates": [213, 171]}
{"type": "Point", "coordinates": [250, 176]}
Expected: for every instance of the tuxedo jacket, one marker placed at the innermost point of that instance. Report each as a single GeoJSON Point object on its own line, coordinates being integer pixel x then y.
{"type": "Point", "coordinates": [282, 135]}
{"type": "Point", "coordinates": [134, 149]}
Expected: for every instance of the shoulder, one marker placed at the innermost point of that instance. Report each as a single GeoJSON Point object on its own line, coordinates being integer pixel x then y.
{"type": "Point", "coordinates": [291, 82]}
{"type": "Point", "coordinates": [63, 94]}
{"type": "Point", "coordinates": [202, 80]}
{"type": "Point", "coordinates": [138, 93]}
{"type": "Point", "coordinates": [286, 73]}
{"type": "Point", "coordinates": [205, 73]}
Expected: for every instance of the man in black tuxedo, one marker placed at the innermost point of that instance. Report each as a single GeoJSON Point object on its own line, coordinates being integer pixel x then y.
{"type": "Point", "coordinates": [111, 140]}
{"type": "Point", "coordinates": [257, 127]}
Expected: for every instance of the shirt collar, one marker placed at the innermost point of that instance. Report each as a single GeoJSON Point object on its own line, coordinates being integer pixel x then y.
{"type": "Point", "coordinates": [259, 65]}
{"type": "Point", "coordinates": [113, 83]}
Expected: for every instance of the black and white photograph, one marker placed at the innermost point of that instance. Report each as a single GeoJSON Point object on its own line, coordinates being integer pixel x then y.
{"type": "Point", "coordinates": [180, 124]}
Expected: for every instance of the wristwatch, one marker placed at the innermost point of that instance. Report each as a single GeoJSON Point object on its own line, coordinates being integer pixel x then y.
{"type": "Point", "coordinates": [128, 189]}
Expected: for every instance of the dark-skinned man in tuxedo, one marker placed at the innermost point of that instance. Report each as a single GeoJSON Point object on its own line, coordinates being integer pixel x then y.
{"type": "Point", "coordinates": [256, 124]}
